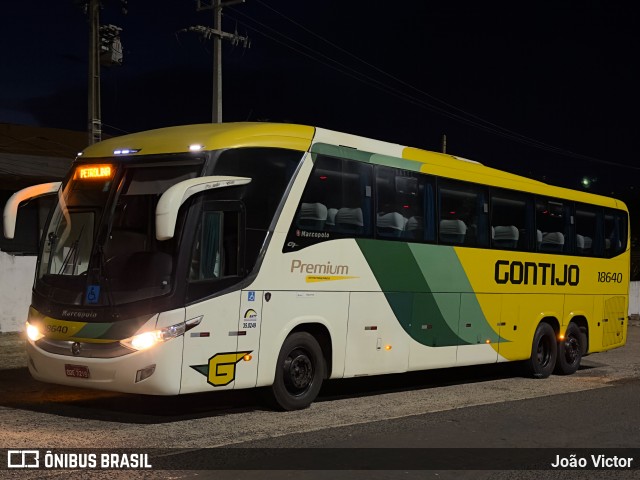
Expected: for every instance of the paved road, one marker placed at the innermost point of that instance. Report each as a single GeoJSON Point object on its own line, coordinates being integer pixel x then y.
{"type": "Point", "coordinates": [491, 406]}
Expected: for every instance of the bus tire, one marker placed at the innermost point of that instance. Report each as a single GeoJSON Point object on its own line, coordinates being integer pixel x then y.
{"type": "Point", "coordinates": [570, 351]}
{"type": "Point", "coordinates": [544, 350]}
{"type": "Point", "coordinates": [299, 372]}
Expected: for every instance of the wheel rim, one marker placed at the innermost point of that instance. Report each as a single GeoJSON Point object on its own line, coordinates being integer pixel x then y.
{"type": "Point", "coordinates": [543, 354]}
{"type": "Point", "coordinates": [298, 372]}
{"type": "Point", "coordinates": [572, 349]}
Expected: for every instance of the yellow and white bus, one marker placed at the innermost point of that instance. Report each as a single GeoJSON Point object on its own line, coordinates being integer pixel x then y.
{"type": "Point", "coordinates": [211, 257]}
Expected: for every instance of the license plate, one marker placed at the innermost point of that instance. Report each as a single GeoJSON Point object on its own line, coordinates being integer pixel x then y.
{"type": "Point", "coordinates": [77, 371]}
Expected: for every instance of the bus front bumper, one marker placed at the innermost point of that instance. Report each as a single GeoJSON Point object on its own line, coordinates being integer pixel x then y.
{"type": "Point", "coordinates": [156, 371]}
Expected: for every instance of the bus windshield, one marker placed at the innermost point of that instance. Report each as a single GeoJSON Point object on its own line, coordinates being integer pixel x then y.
{"type": "Point", "coordinates": [102, 233]}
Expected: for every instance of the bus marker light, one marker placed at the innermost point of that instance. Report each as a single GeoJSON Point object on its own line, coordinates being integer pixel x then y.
{"type": "Point", "coordinates": [196, 147]}
{"type": "Point", "coordinates": [488, 341]}
{"type": "Point", "coordinates": [247, 358]}
{"type": "Point", "coordinates": [387, 347]}
{"type": "Point", "coordinates": [560, 337]}
{"type": "Point", "coordinates": [126, 151]}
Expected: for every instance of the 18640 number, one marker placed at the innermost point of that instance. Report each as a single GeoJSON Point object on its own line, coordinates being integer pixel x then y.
{"type": "Point", "coordinates": [609, 277]}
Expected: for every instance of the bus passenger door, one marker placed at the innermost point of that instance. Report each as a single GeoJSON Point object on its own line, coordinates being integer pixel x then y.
{"type": "Point", "coordinates": [249, 325]}
{"type": "Point", "coordinates": [211, 354]}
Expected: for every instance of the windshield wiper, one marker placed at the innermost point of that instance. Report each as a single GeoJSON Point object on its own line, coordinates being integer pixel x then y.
{"type": "Point", "coordinates": [72, 253]}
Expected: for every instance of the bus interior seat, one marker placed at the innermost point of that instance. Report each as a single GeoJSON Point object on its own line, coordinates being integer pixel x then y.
{"type": "Point", "coordinates": [414, 227]}
{"type": "Point", "coordinates": [452, 231]}
{"type": "Point", "coordinates": [588, 245]}
{"type": "Point", "coordinates": [330, 224]}
{"type": "Point", "coordinates": [312, 216]}
{"type": "Point", "coordinates": [552, 242]}
{"type": "Point", "coordinates": [391, 224]}
{"type": "Point", "coordinates": [538, 238]}
{"type": "Point", "coordinates": [505, 236]}
{"type": "Point", "coordinates": [349, 220]}
{"type": "Point", "coordinates": [579, 243]}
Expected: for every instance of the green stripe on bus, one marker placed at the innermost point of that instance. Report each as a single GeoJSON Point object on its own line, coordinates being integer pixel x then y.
{"type": "Point", "coordinates": [340, 152]}
{"type": "Point", "coordinates": [360, 156]}
{"type": "Point", "coordinates": [424, 285]}
{"type": "Point", "coordinates": [94, 330]}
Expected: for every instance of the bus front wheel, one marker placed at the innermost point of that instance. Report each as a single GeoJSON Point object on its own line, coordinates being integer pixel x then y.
{"type": "Point", "coordinates": [570, 351]}
{"type": "Point", "coordinates": [299, 372]}
{"type": "Point", "coordinates": [544, 350]}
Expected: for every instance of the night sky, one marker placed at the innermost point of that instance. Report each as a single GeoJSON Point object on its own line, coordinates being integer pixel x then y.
{"type": "Point", "coordinates": [546, 89]}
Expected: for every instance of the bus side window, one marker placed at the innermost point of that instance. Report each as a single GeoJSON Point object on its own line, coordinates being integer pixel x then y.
{"type": "Point", "coordinates": [586, 230]}
{"type": "Point", "coordinates": [510, 220]}
{"type": "Point", "coordinates": [615, 232]}
{"type": "Point", "coordinates": [215, 250]}
{"type": "Point", "coordinates": [403, 199]}
{"type": "Point", "coordinates": [554, 222]}
{"type": "Point", "coordinates": [463, 215]}
{"type": "Point", "coordinates": [337, 198]}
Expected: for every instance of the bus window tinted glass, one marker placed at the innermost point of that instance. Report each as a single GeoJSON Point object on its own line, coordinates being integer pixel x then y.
{"type": "Point", "coordinates": [509, 220]}
{"type": "Point", "coordinates": [337, 198]}
{"type": "Point", "coordinates": [553, 226]}
{"type": "Point", "coordinates": [405, 205]}
{"type": "Point", "coordinates": [463, 214]}
{"type": "Point", "coordinates": [587, 230]}
{"type": "Point", "coordinates": [615, 232]}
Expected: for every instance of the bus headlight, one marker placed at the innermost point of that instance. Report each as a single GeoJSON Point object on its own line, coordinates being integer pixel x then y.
{"type": "Point", "coordinates": [33, 332]}
{"type": "Point", "coordinates": [146, 340]}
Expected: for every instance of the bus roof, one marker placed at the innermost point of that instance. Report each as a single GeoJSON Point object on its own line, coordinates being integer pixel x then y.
{"type": "Point", "coordinates": [210, 136]}
{"type": "Point", "coordinates": [300, 137]}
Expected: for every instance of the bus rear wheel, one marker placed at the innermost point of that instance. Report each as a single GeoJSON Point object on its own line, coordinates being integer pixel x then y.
{"type": "Point", "coordinates": [570, 351]}
{"type": "Point", "coordinates": [544, 351]}
{"type": "Point", "coordinates": [299, 372]}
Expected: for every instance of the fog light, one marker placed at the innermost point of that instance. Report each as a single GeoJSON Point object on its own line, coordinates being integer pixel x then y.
{"type": "Point", "coordinates": [145, 373]}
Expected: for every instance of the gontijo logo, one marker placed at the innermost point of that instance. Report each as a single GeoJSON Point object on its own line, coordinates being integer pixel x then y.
{"type": "Point", "coordinates": [532, 273]}
{"type": "Point", "coordinates": [321, 272]}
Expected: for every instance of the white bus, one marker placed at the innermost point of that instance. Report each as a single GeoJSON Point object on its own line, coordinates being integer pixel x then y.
{"type": "Point", "coordinates": [211, 257]}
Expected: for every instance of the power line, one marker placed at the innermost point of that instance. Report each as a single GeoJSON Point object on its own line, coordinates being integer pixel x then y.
{"type": "Point", "coordinates": [472, 120]}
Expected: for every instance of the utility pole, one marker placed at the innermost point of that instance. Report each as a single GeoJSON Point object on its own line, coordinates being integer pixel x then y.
{"type": "Point", "coordinates": [95, 122]}
{"type": "Point", "coordinates": [216, 114]}
{"type": "Point", "coordinates": [104, 49]}
{"type": "Point", "coordinates": [217, 34]}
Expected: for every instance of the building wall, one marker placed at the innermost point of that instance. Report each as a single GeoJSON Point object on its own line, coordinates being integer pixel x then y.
{"type": "Point", "coordinates": [16, 281]}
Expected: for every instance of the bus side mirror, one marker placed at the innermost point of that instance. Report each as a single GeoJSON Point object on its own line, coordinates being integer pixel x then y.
{"type": "Point", "coordinates": [175, 196]}
{"type": "Point", "coordinates": [10, 213]}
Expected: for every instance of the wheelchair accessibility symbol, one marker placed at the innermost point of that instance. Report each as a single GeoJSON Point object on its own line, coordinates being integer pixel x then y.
{"type": "Point", "coordinates": [93, 293]}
